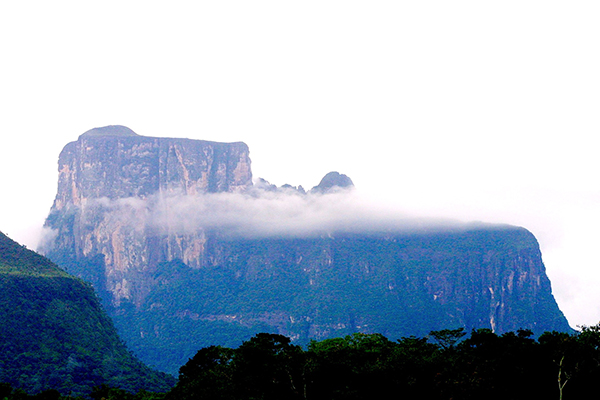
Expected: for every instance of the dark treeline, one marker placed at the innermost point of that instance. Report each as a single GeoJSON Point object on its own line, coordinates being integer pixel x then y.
{"type": "Point", "coordinates": [446, 365]}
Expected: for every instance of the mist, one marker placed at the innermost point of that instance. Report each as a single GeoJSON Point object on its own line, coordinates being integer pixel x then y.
{"type": "Point", "coordinates": [256, 213]}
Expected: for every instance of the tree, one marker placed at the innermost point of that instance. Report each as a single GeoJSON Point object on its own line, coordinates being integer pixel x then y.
{"type": "Point", "coordinates": [414, 367]}
{"type": "Point", "coordinates": [447, 338]}
{"type": "Point", "coordinates": [268, 367]}
{"type": "Point", "coordinates": [356, 366]}
{"type": "Point", "coordinates": [5, 390]}
{"type": "Point", "coordinates": [565, 352]}
{"type": "Point", "coordinates": [208, 375]}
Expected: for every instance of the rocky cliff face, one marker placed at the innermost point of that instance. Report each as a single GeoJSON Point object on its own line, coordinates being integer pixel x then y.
{"type": "Point", "coordinates": [114, 162]}
{"type": "Point", "coordinates": [482, 276]}
{"type": "Point", "coordinates": [100, 222]}
{"type": "Point", "coordinates": [149, 222]}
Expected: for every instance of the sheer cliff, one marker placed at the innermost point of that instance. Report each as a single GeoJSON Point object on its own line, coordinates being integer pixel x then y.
{"type": "Point", "coordinates": [100, 225]}
{"type": "Point", "coordinates": [175, 237]}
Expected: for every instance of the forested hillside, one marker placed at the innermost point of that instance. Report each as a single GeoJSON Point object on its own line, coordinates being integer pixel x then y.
{"type": "Point", "coordinates": [55, 335]}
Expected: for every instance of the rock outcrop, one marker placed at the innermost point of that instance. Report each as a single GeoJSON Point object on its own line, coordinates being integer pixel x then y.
{"type": "Point", "coordinates": [101, 227]}
{"type": "Point", "coordinates": [131, 216]}
{"type": "Point", "coordinates": [333, 181]}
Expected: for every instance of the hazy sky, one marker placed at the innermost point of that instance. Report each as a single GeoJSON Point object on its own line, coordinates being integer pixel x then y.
{"type": "Point", "coordinates": [474, 110]}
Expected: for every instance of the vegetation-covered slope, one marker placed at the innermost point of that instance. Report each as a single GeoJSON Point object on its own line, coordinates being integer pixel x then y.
{"type": "Point", "coordinates": [54, 333]}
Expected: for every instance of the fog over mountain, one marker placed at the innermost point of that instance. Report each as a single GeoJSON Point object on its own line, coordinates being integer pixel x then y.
{"type": "Point", "coordinates": [283, 212]}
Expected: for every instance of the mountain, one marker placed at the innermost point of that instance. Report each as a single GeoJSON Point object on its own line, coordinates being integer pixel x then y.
{"type": "Point", "coordinates": [55, 335]}
{"type": "Point", "coordinates": [186, 252]}
{"type": "Point", "coordinates": [333, 181]}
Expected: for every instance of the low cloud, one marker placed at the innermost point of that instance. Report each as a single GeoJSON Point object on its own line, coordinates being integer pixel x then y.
{"type": "Point", "coordinates": [259, 213]}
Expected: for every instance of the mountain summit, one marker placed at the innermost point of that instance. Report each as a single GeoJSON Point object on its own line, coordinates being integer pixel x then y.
{"type": "Point", "coordinates": [111, 130]}
{"type": "Point", "coordinates": [186, 252]}
{"type": "Point", "coordinates": [333, 181]}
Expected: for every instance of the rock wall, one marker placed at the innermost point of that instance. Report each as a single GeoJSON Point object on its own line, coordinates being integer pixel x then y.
{"type": "Point", "coordinates": [475, 277]}
{"type": "Point", "coordinates": [100, 215]}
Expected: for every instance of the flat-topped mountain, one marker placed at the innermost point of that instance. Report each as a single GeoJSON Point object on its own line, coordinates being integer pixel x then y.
{"type": "Point", "coordinates": [186, 252]}
{"type": "Point", "coordinates": [114, 162]}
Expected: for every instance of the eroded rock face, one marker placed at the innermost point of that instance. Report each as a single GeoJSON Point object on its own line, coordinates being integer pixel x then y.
{"type": "Point", "coordinates": [109, 178]}
{"type": "Point", "coordinates": [105, 164]}
{"type": "Point", "coordinates": [148, 222]}
{"type": "Point", "coordinates": [476, 277]}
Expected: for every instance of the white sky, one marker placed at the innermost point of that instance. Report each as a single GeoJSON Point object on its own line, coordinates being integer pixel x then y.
{"type": "Point", "coordinates": [476, 110]}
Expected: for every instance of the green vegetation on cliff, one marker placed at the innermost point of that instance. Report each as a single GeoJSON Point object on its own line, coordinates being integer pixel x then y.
{"type": "Point", "coordinates": [54, 333]}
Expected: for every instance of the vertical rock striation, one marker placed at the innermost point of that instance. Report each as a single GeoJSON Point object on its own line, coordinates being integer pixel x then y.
{"type": "Point", "coordinates": [108, 178]}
